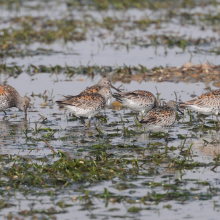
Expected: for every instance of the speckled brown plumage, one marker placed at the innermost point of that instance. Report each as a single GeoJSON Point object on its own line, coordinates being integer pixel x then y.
{"type": "Point", "coordinates": [138, 100]}
{"type": "Point", "coordinates": [207, 103]}
{"type": "Point", "coordinates": [162, 115]}
{"type": "Point", "coordinates": [104, 82]}
{"type": "Point", "coordinates": [85, 100]}
{"type": "Point", "coordinates": [9, 98]}
{"type": "Point", "coordinates": [87, 104]}
{"type": "Point", "coordinates": [89, 90]}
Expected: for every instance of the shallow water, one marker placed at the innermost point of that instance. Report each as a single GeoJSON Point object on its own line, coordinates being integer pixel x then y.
{"type": "Point", "coordinates": [115, 47]}
{"type": "Point", "coordinates": [151, 177]}
{"type": "Point", "coordinates": [78, 144]}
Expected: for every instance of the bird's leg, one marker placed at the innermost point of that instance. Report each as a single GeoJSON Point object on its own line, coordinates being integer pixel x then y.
{"type": "Point", "coordinates": [82, 120]}
{"type": "Point", "coordinates": [25, 122]}
{"type": "Point", "coordinates": [199, 117]}
{"type": "Point", "coordinates": [217, 126]}
{"type": "Point", "coordinates": [88, 123]}
{"type": "Point", "coordinates": [217, 119]}
{"type": "Point", "coordinates": [203, 121]}
{"type": "Point", "coordinates": [136, 116]}
{"type": "Point", "coordinates": [5, 116]}
{"type": "Point", "coordinates": [149, 135]}
{"type": "Point", "coordinates": [142, 116]}
{"type": "Point", "coordinates": [166, 137]}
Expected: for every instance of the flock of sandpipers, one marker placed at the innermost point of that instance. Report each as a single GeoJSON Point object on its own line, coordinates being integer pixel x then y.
{"type": "Point", "coordinates": [93, 99]}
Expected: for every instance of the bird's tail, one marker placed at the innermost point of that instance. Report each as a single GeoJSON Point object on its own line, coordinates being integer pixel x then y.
{"type": "Point", "coordinates": [60, 103]}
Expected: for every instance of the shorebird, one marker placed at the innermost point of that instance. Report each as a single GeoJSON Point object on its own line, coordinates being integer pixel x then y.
{"type": "Point", "coordinates": [162, 115]}
{"type": "Point", "coordinates": [9, 98]}
{"type": "Point", "coordinates": [206, 104]}
{"type": "Point", "coordinates": [87, 104]}
{"type": "Point", "coordinates": [104, 82]}
{"type": "Point", "coordinates": [138, 100]}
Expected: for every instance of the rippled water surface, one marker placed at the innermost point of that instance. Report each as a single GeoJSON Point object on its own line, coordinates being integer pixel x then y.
{"type": "Point", "coordinates": [72, 138]}
{"type": "Point", "coordinates": [117, 169]}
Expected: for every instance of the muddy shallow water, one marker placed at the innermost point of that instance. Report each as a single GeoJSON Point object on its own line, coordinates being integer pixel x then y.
{"type": "Point", "coordinates": [116, 169]}
{"type": "Point", "coordinates": [72, 138]}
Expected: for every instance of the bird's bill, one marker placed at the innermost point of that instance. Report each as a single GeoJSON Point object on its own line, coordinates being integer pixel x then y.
{"type": "Point", "coordinates": [115, 88]}
{"type": "Point", "coordinates": [27, 102]}
{"type": "Point", "coordinates": [180, 111]}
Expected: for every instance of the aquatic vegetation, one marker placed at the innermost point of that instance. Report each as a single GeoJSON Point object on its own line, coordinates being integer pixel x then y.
{"type": "Point", "coordinates": [51, 167]}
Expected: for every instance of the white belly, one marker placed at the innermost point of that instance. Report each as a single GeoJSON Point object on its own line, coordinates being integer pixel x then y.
{"type": "Point", "coordinates": [81, 112]}
{"type": "Point", "coordinates": [134, 106]}
{"type": "Point", "coordinates": [204, 110]}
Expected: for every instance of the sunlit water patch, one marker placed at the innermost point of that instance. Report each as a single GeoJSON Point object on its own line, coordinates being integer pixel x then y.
{"type": "Point", "coordinates": [53, 33]}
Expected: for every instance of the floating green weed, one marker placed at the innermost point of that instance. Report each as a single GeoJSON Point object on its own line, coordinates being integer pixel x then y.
{"type": "Point", "coordinates": [134, 209]}
{"type": "Point", "coordinates": [85, 169]}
